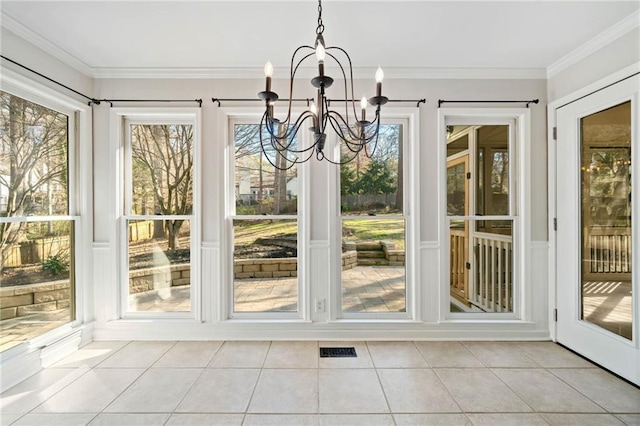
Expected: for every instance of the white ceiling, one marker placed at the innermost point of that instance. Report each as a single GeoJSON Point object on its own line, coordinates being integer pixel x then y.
{"type": "Point", "coordinates": [106, 36]}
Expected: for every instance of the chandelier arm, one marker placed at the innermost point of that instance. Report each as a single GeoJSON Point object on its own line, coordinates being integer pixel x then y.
{"type": "Point", "coordinates": [292, 73]}
{"type": "Point", "coordinates": [356, 139]}
{"type": "Point", "coordinates": [278, 152]}
{"type": "Point", "coordinates": [377, 135]}
{"type": "Point", "coordinates": [291, 132]}
{"type": "Point", "coordinates": [344, 76]}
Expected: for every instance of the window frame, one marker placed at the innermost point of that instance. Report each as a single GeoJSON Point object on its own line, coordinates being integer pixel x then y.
{"type": "Point", "coordinates": [80, 207]}
{"type": "Point", "coordinates": [518, 120]}
{"type": "Point", "coordinates": [227, 306]}
{"type": "Point", "coordinates": [137, 116]}
{"type": "Point", "coordinates": [407, 118]}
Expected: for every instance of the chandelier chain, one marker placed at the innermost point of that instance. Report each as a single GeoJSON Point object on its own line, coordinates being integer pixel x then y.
{"type": "Point", "coordinates": [320, 28]}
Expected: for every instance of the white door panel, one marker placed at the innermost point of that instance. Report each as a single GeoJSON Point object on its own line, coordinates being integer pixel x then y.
{"type": "Point", "coordinates": [597, 204]}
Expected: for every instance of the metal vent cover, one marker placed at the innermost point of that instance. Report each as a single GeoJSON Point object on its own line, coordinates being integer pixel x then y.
{"type": "Point", "coordinates": [338, 353]}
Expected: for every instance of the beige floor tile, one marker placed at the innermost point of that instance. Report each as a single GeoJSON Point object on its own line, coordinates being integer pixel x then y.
{"type": "Point", "coordinates": [447, 354]}
{"type": "Point", "coordinates": [480, 391]}
{"type": "Point", "coordinates": [611, 393]}
{"type": "Point", "coordinates": [629, 419]}
{"type": "Point", "coordinates": [137, 355]}
{"type": "Point", "coordinates": [27, 395]}
{"type": "Point", "coordinates": [546, 393]}
{"type": "Point", "coordinates": [292, 355]}
{"type": "Point", "coordinates": [159, 390]}
{"type": "Point", "coordinates": [362, 360]}
{"type": "Point", "coordinates": [510, 419]}
{"type": "Point", "coordinates": [351, 391]}
{"type": "Point", "coordinates": [54, 420]}
{"type": "Point", "coordinates": [205, 420]}
{"type": "Point", "coordinates": [431, 420]}
{"type": "Point", "coordinates": [356, 419]}
{"type": "Point", "coordinates": [189, 355]}
{"type": "Point", "coordinates": [90, 355]}
{"type": "Point", "coordinates": [221, 391]}
{"type": "Point", "coordinates": [146, 419]}
{"type": "Point", "coordinates": [500, 355]}
{"type": "Point", "coordinates": [240, 355]}
{"type": "Point", "coordinates": [581, 419]}
{"type": "Point", "coordinates": [396, 355]}
{"type": "Point", "coordinates": [286, 391]}
{"type": "Point", "coordinates": [92, 392]}
{"type": "Point", "coordinates": [552, 355]}
{"type": "Point", "coordinates": [281, 420]}
{"type": "Point", "coordinates": [416, 391]}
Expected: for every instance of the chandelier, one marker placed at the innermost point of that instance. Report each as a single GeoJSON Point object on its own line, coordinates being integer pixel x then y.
{"type": "Point", "coordinates": [355, 132]}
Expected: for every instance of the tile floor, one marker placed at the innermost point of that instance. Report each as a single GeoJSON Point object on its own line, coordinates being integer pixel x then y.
{"type": "Point", "coordinates": [286, 383]}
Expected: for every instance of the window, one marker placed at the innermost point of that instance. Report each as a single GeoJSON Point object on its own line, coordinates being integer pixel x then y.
{"type": "Point", "coordinates": [373, 227]}
{"type": "Point", "coordinates": [159, 230]}
{"type": "Point", "coordinates": [37, 219]}
{"type": "Point", "coordinates": [263, 226]}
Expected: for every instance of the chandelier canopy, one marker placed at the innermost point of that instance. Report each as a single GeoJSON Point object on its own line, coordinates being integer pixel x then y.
{"type": "Point", "coordinates": [355, 132]}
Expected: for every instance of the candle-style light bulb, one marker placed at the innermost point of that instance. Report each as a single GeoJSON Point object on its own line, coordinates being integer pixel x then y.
{"type": "Point", "coordinates": [379, 77]}
{"type": "Point", "coordinates": [268, 69]}
{"type": "Point", "coordinates": [320, 55]}
{"type": "Point", "coordinates": [268, 72]}
{"type": "Point", "coordinates": [363, 105]}
{"type": "Point", "coordinates": [320, 52]}
{"type": "Point", "coordinates": [314, 111]}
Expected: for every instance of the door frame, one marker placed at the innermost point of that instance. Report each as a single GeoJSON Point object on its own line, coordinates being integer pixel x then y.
{"type": "Point", "coordinates": [579, 334]}
{"type": "Point", "coordinates": [552, 180]}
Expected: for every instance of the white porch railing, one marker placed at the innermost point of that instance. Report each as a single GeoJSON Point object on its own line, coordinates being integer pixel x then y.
{"type": "Point", "coordinates": [608, 251]}
{"type": "Point", "coordinates": [492, 290]}
{"type": "Point", "coordinates": [458, 264]}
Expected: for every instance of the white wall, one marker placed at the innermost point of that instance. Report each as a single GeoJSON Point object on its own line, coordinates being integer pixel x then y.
{"type": "Point", "coordinates": [614, 56]}
{"type": "Point", "coordinates": [25, 53]}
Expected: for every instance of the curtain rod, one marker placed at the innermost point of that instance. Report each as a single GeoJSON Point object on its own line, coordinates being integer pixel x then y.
{"type": "Point", "coordinates": [111, 101]}
{"type": "Point", "coordinates": [308, 100]}
{"type": "Point", "coordinates": [94, 101]}
{"type": "Point", "coordinates": [532, 101]}
{"type": "Point", "coordinates": [48, 78]}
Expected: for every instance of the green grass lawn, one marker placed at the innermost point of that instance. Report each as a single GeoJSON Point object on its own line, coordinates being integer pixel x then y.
{"type": "Point", "coordinates": [247, 231]}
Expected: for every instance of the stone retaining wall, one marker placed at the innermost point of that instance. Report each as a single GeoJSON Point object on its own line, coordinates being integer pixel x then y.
{"type": "Point", "coordinates": [265, 268]}
{"type": "Point", "coordinates": [153, 278]}
{"type": "Point", "coordinates": [19, 301]}
{"type": "Point", "coordinates": [394, 256]}
{"type": "Point", "coordinates": [50, 296]}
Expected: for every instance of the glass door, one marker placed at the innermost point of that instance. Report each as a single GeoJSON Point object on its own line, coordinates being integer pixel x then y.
{"type": "Point", "coordinates": [597, 140]}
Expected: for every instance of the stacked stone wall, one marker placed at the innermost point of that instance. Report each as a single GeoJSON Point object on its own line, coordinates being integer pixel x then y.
{"type": "Point", "coordinates": [19, 301]}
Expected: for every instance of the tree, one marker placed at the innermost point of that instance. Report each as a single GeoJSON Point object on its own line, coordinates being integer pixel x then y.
{"type": "Point", "coordinates": [33, 164]}
{"type": "Point", "coordinates": [376, 179]}
{"type": "Point", "coordinates": [163, 155]}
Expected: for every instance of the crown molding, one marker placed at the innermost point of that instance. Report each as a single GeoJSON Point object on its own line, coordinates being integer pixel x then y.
{"type": "Point", "coordinates": [364, 73]}
{"type": "Point", "coordinates": [604, 38]}
{"type": "Point", "coordinates": [42, 43]}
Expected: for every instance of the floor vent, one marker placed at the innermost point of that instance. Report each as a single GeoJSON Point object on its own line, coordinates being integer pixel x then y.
{"type": "Point", "coordinates": [338, 353]}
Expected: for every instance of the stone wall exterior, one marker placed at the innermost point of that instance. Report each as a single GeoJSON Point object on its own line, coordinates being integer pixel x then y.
{"type": "Point", "coordinates": [19, 301]}
{"type": "Point", "coordinates": [50, 296]}
{"type": "Point", "coordinates": [395, 256]}
{"type": "Point", "coordinates": [153, 278]}
{"type": "Point", "coordinates": [265, 268]}
{"type": "Point", "coordinates": [349, 260]}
